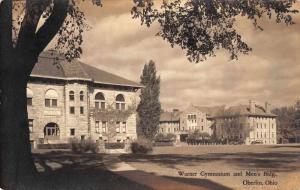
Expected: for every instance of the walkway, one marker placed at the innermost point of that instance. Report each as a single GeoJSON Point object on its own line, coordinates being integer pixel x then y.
{"type": "Point", "coordinates": [114, 164]}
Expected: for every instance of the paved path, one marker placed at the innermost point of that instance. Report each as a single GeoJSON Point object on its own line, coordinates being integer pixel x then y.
{"type": "Point", "coordinates": [114, 164]}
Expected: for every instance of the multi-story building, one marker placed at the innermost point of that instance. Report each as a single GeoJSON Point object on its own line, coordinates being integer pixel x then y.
{"type": "Point", "coordinates": [72, 99]}
{"type": "Point", "coordinates": [193, 118]}
{"type": "Point", "coordinates": [247, 124]}
{"type": "Point", "coordinates": [244, 123]}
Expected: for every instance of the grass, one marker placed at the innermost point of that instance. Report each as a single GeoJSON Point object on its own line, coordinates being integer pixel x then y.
{"type": "Point", "coordinates": [167, 161]}
{"type": "Point", "coordinates": [64, 170]}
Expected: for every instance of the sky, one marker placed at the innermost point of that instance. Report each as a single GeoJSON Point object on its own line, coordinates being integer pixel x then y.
{"type": "Point", "coordinates": [271, 72]}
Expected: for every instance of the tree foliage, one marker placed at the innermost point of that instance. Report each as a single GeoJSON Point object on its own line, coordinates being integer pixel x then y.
{"type": "Point", "coordinates": [201, 27]}
{"type": "Point", "coordinates": [149, 107]}
{"type": "Point", "coordinates": [286, 121]}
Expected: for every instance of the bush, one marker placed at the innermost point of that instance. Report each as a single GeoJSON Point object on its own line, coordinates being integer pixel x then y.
{"type": "Point", "coordinates": [54, 146]}
{"type": "Point", "coordinates": [141, 146]}
{"type": "Point", "coordinates": [163, 144]}
{"type": "Point", "coordinates": [170, 137]}
{"type": "Point", "coordinates": [116, 145]}
{"type": "Point", "coordinates": [82, 146]}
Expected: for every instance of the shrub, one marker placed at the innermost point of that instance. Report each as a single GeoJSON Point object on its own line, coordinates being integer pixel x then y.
{"type": "Point", "coordinates": [82, 146]}
{"type": "Point", "coordinates": [141, 146]}
{"type": "Point", "coordinates": [116, 145]}
{"type": "Point", "coordinates": [163, 144]}
{"type": "Point", "coordinates": [170, 137]}
{"type": "Point", "coordinates": [54, 146]}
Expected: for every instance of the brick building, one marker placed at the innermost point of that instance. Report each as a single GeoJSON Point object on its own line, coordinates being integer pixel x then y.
{"type": "Point", "coordinates": [67, 100]}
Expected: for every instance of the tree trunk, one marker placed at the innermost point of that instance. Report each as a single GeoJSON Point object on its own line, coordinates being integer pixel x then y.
{"type": "Point", "coordinates": [15, 151]}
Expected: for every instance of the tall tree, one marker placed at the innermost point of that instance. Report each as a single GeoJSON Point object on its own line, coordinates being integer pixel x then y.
{"type": "Point", "coordinates": [286, 121]}
{"type": "Point", "coordinates": [149, 108]}
{"type": "Point", "coordinates": [198, 26]}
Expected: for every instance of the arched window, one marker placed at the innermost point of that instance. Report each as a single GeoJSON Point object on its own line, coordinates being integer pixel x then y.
{"type": "Point", "coordinates": [99, 101]}
{"type": "Point", "coordinates": [71, 96]}
{"type": "Point", "coordinates": [120, 102]}
{"type": "Point", "coordinates": [29, 95]}
{"type": "Point", "coordinates": [81, 95]}
{"type": "Point", "coordinates": [51, 98]}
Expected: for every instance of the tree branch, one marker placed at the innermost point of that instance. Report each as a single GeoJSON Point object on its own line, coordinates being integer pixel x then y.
{"type": "Point", "coordinates": [52, 25]}
{"type": "Point", "coordinates": [34, 10]}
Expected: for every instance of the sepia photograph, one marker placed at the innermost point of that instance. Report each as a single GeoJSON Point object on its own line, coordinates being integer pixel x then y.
{"type": "Point", "coordinates": [149, 94]}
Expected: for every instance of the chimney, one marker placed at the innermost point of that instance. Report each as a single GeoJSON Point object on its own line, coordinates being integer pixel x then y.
{"type": "Point", "coordinates": [252, 106]}
{"type": "Point", "coordinates": [175, 110]}
{"type": "Point", "coordinates": [267, 107]}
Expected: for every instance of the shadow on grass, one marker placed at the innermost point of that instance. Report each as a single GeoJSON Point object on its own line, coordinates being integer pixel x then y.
{"type": "Point", "coordinates": [65, 170]}
{"type": "Point", "coordinates": [279, 161]}
{"type": "Point", "coordinates": [199, 182]}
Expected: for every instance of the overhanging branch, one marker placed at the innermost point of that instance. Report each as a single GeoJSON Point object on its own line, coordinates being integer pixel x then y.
{"type": "Point", "coordinates": [34, 10]}
{"type": "Point", "coordinates": [52, 25]}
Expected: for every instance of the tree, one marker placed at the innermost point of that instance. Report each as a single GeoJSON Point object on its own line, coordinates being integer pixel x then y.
{"type": "Point", "coordinates": [149, 108]}
{"type": "Point", "coordinates": [198, 26]}
{"type": "Point", "coordinates": [286, 121]}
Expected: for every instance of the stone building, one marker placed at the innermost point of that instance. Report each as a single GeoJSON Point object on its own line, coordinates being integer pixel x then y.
{"type": "Point", "coordinates": [246, 123]}
{"type": "Point", "coordinates": [67, 100]}
{"type": "Point", "coordinates": [193, 118]}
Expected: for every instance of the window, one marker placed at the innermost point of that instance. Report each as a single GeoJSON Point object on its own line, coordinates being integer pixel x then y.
{"type": "Point", "coordinates": [104, 126]}
{"type": "Point", "coordinates": [81, 110]}
{"type": "Point", "coordinates": [99, 101]}
{"type": "Point", "coordinates": [30, 125]}
{"type": "Point", "coordinates": [118, 127]}
{"type": "Point", "coordinates": [71, 96]}
{"type": "Point", "coordinates": [72, 132]}
{"type": "Point", "coordinates": [124, 127]}
{"type": "Point", "coordinates": [29, 95]}
{"type": "Point", "coordinates": [265, 125]}
{"type": "Point", "coordinates": [120, 102]}
{"type": "Point", "coordinates": [51, 97]}
{"type": "Point", "coordinates": [72, 110]}
{"type": "Point", "coordinates": [202, 128]}
{"type": "Point", "coordinates": [81, 95]}
{"type": "Point", "coordinates": [97, 130]}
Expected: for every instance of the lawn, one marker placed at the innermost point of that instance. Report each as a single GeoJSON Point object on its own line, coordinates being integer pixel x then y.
{"type": "Point", "coordinates": [64, 170]}
{"type": "Point", "coordinates": [283, 162]}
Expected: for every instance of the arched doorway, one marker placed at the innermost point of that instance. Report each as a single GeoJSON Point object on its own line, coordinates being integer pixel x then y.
{"type": "Point", "coordinates": [51, 131]}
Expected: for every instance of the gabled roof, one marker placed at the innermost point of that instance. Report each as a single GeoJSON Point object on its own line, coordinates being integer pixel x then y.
{"type": "Point", "coordinates": [244, 110]}
{"type": "Point", "coordinates": [169, 116]}
{"type": "Point", "coordinates": [211, 111]}
{"type": "Point", "coordinates": [57, 67]}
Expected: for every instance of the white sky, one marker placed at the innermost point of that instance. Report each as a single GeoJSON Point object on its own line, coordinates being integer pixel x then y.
{"type": "Point", "coordinates": [120, 45]}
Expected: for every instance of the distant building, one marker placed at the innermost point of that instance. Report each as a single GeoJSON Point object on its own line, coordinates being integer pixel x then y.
{"type": "Point", "coordinates": [67, 100]}
{"type": "Point", "coordinates": [187, 121]}
{"type": "Point", "coordinates": [244, 123]}
{"type": "Point", "coordinates": [247, 124]}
